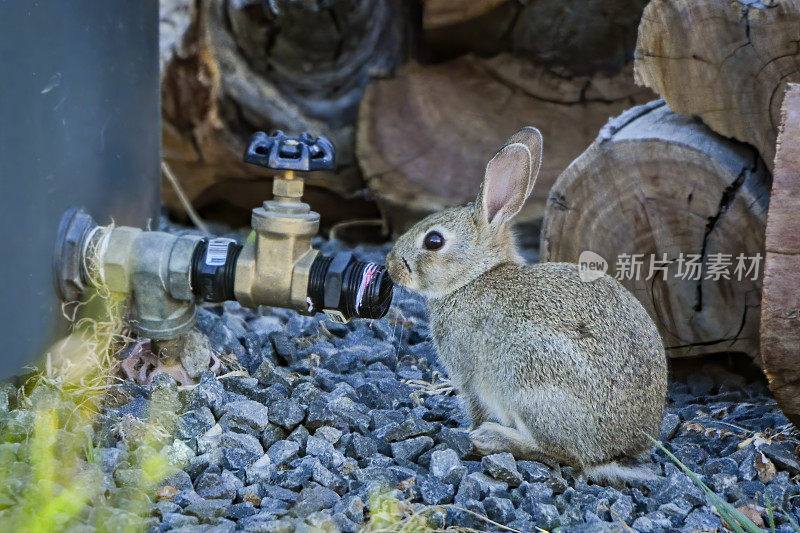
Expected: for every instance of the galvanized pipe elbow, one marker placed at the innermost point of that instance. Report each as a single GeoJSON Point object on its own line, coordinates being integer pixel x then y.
{"type": "Point", "coordinates": [163, 304]}
{"type": "Point", "coordinates": [153, 267]}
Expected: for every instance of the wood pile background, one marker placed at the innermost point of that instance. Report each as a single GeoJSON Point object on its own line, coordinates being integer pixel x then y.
{"type": "Point", "coordinates": [661, 185]}
{"type": "Point", "coordinates": [230, 68]}
{"type": "Point", "coordinates": [692, 176]}
{"type": "Point", "coordinates": [425, 136]}
{"type": "Point", "coordinates": [367, 74]}
{"type": "Point", "coordinates": [727, 63]}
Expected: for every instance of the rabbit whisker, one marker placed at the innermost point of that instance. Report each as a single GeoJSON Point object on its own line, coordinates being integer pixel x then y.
{"type": "Point", "coordinates": [399, 321]}
{"type": "Point", "coordinates": [403, 331]}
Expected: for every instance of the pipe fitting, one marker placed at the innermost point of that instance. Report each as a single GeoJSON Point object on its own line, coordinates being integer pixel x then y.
{"type": "Point", "coordinates": [164, 274]}
{"type": "Point", "coordinates": [278, 266]}
{"type": "Point", "coordinates": [179, 276]}
{"type": "Point", "coordinates": [153, 267]}
{"type": "Point", "coordinates": [273, 269]}
{"type": "Point", "coordinates": [74, 235]}
{"type": "Point", "coordinates": [156, 310]}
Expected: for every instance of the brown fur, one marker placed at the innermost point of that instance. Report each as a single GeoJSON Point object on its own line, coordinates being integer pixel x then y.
{"type": "Point", "coordinates": [552, 368]}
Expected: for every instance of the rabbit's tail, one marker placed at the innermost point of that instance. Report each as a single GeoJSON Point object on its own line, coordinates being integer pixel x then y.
{"type": "Point", "coordinates": [614, 473]}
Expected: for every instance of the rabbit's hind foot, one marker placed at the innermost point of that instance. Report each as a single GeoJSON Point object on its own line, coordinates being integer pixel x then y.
{"type": "Point", "coordinates": [618, 474]}
{"type": "Point", "coordinates": [491, 437]}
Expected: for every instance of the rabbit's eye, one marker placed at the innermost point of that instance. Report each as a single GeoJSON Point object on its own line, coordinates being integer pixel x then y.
{"type": "Point", "coordinates": [433, 240]}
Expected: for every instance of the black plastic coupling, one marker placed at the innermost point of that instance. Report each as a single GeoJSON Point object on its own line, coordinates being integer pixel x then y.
{"type": "Point", "coordinates": [214, 269]}
{"type": "Point", "coordinates": [344, 288]}
{"type": "Point", "coordinates": [68, 262]}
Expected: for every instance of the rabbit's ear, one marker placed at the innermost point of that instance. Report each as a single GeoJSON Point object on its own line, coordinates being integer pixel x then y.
{"type": "Point", "coordinates": [505, 185]}
{"type": "Point", "coordinates": [532, 139]}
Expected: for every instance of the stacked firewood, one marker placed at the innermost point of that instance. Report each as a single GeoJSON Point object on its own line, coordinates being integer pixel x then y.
{"type": "Point", "coordinates": [425, 135]}
{"type": "Point", "coordinates": [688, 177]}
{"type": "Point", "coordinates": [416, 95]}
{"type": "Point", "coordinates": [233, 67]}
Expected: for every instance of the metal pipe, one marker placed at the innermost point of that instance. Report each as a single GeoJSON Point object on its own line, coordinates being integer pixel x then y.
{"type": "Point", "coordinates": [166, 274]}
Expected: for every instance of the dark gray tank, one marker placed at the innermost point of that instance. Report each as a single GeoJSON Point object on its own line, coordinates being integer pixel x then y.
{"type": "Point", "coordinates": [79, 125]}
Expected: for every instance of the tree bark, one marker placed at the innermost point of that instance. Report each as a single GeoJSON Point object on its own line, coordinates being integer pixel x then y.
{"type": "Point", "coordinates": [573, 37]}
{"type": "Point", "coordinates": [580, 36]}
{"type": "Point", "coordinates": [443, 13]}
{"type": "Point", "coordinates": [456, 27]}
{"type": "Point", "coordinates": [425, 136]}
{"type": "Point", "coordinates": [664, 186]}
{"type": "Point", "coordinates": [780, 306]}
{"type": "Point", "coordinates": [725, 62]}
{"type": "Point", "coordinates": [241, 66]}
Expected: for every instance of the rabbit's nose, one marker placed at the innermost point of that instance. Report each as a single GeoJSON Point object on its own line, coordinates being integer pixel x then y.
{"type": "Point", "coordinates": [406, 264]}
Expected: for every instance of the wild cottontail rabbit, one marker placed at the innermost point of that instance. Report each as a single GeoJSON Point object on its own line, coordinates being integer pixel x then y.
{"type": "Point", "coordinates": [552, 368]}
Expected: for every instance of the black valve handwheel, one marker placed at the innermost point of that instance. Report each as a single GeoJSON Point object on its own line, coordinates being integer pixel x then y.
{"type": "Point", "coordinates": [281, 152]}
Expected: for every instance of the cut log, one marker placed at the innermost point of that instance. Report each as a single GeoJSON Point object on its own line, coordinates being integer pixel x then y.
{"type": "Point", "coordinates": [666, 187]}
{"type": "Point", "coordinates": [780, 305]}
{"type": "Point", "coordinates": [580, 36]}
{"type": "Point", "coordinates": [725, 62]}
{"type": "Point", "coordinates": [424, 137]}
{"type": "Point", "coordinates": [443, 13]}
{"type": "Point", "coordinates": [453, 28]}
{"type": "Point", "coordinates": [239, 67]}
{"type": "Point", "coordinates": [574, 37]}
{"type": "Point", "coordinates": [319, 55]}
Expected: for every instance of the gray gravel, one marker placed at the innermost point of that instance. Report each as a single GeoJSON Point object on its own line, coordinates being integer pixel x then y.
{"type": "Point", "coordinates": [328, 413]}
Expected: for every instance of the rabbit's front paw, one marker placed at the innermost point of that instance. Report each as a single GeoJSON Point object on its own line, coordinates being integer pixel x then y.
{"type": "Point", "coordinates": [486, 440]}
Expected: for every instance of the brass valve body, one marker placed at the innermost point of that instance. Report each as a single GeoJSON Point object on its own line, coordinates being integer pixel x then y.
{"type": "Point", "coordinates": [273, 269]}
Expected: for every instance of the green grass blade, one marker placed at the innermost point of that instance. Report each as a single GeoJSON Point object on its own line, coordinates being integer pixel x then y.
{"type": "Point", "coordinates": [89, 449]}
{"type": "Point", "coordinates": [735, 518]}
{"type": "Point", "coordinates": [770, 515]}
{"type": "Point", "coordinates": [792, 521]}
